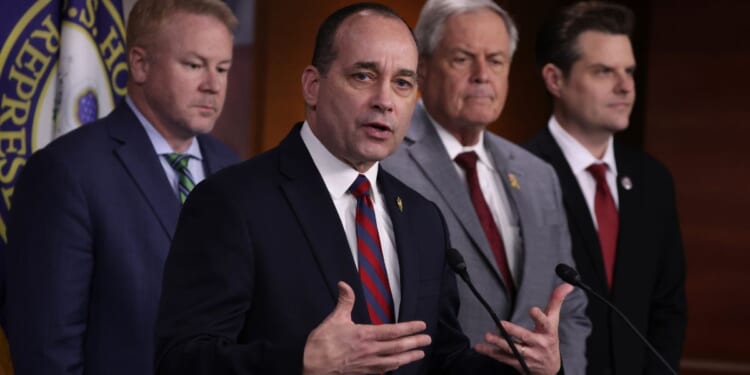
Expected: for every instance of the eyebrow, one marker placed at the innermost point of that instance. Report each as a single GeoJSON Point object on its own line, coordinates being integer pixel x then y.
{"type": "Point", "coordinates": [474, 54]}
{"type": "Point", "coordinates": [603, 65]}
{"type": "Point", "coordinates": [368, 65]}
{"type": "Point", "coordinates": [198, 56]}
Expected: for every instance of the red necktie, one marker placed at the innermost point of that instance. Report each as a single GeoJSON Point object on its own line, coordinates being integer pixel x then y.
{"type": "Point", "coordinates": [372, 271]}
{"type": "Point", "coordinates": [468, 161]}
{"type": "Point", "coordinates": [607, 218]}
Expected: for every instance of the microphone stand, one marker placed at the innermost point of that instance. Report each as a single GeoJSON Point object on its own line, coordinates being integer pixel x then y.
{"type": "Point", "coordinates": [457, 263]}
{"type": "Point", "coordinates": [570, 276]}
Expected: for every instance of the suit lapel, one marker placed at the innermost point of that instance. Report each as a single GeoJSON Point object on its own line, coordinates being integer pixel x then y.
{"type": "Point", "coordinates": [316, 215]}
{"type": "Point", "coordinates": [429, 153]}
{"type": "Point", "coordinates": [405, 244]}
{"type": "Point", "coordinates": [137, 155]}
{"type": "Point", "coordinates": [211, 160]}
{"type": "Point", "coordinates": [507, 170]}
{"type": "Point", "coordinates": [629, 200]}
{"type": "Point", "coordinates": [579, 216]}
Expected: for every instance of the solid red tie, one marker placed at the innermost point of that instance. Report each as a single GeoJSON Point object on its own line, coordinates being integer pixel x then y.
{"type": "Point", "coordinates": [372, 271]}
{"type": "Point", "coordinates": [607, 219]}
{"type": "Point", "coordinates": [468, 161]}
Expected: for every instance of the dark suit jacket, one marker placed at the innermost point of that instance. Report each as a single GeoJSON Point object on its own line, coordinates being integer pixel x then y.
{"type": "Point", "coordinates": [255, 261]}
{"type": "Point", "coordinates": [90, 226]}
{"type": "Point", "coordinates": [649, 277]}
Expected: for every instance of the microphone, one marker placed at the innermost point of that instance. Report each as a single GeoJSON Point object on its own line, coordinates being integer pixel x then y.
{"type": "Point", "coordinates": [570, 276]}
{"type": "Point", "coordinates": [456, 262]}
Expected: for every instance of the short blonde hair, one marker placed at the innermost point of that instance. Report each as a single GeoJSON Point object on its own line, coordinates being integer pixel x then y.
{"type": "Point", "coordinates": [147, 17]}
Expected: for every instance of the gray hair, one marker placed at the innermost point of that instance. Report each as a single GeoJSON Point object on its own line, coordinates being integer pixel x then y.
{"type": "Point", "coordinates": [429, 30]}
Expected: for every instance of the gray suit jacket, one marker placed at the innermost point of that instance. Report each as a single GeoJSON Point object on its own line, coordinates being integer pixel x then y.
{"type": "Point", "coordinates": [538, 216]}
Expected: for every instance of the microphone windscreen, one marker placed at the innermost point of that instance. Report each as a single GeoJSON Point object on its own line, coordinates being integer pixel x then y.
{"type": "Point", "coordinates": [455, 260]}
{"type": "Point", "coordinates": [567, 273]}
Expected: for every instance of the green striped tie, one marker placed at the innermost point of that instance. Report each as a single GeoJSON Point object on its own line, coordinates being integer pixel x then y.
{"type": "Point", "coordinates": [185, 183]}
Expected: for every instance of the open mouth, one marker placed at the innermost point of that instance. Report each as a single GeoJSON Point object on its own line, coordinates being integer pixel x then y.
{"type": "Point", "coordinates": [377, 131]}
{"type": "Point", "coordinates": [378, 127]}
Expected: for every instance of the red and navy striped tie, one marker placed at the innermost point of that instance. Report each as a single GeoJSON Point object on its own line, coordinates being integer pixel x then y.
{"type": "Point", "coordinates": [372, 272]}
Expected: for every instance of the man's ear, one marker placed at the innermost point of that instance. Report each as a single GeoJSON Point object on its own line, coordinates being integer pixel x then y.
{"type": "Point", "coordinates": [553, 79]}
{"type": "Point", "coordinates": [138, 64]}
{"type": "Point", "coordinates": [310, 86]}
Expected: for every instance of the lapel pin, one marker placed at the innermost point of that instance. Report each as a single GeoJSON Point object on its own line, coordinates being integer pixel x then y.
{"type": "Point", "coordinates": [400, 204]}
{"type": "Point", "coordinates": [626, 182]}
{"type": "Point", "coordinates": [513, 181]}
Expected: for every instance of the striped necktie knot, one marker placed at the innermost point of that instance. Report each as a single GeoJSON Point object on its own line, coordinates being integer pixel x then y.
{"type": "Point", "coordinates": [178, 161]}
{"type": "Point", "coordinates": [360, 187]}
{"type": "Point", "coordinates": [185, 183]}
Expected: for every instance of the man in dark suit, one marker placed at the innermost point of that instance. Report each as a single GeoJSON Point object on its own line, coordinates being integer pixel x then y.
{"type": "Point", "coordinates": [620, 202]}
{"type": "Point", "coordinates": [310, 258]}
{"type": "Point", "coordinates": [465, 51]}
{"type": "Point", "coordinates": [94, 212]}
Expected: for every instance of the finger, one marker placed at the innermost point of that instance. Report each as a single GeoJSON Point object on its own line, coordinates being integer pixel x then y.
{"type": "Point", "coordinates": [401, 345]}
{"type": "Point", "coordinates": [519, 332]}
{"type": "Point", "coordinates": [542, 323]}
{"type": "Point", "coordinates": [345, 304]}
{"type": "Point", "coordinates": [385, 332]}
{"type": "Point", "coordinates": [501, 343]}
{"type": "Point", "coordinates": [556, 299]}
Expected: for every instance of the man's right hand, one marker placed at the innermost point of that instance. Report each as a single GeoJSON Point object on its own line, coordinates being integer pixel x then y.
{"type": "Point", "coordinates": [340, 346]}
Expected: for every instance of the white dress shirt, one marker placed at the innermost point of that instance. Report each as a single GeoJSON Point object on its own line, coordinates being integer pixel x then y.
{"type": "Point", "coordinates": [494, 193]}
{"type": "Point", "coordinates": [338, 177]}
{"type": "Point", "coordinates": [579, 158]}
{"type": "Point", "coordinates": [162, 147]}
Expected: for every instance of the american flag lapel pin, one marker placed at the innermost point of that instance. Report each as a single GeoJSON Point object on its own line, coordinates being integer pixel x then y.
{"type": "Point", "coordinates": [400, 204]}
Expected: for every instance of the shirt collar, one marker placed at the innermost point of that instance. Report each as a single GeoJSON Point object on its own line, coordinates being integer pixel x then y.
{"type": "Point", "coordinates": [454, 147]}
{"type": "Point", "coordinates": [578, 157]}
{"type": "Point", "coordinates": [161, 146]}
{"type": "Point", "coordinates": [337, 175]}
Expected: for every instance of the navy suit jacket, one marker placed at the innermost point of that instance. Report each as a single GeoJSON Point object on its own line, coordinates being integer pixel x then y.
{"type": "Point", "coordinates": [90, 226]}
{"type": "Point", "coordinates": [256, 258]}
{"type": "Point", "coordinates": [649, 277]}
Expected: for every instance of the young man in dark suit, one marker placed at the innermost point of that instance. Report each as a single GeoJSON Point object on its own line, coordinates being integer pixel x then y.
{"type": "Point", "coordinates": [94, 212]}
{"type": "Point", "coordinates": [620, 202]}
{"type": "Point", "coordinates": [310, 259]}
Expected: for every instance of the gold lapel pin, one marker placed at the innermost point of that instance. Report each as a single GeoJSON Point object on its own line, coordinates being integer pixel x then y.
{"type": "Point", "coordinates": [400, 204]}
{"type": "Point", "coordinates": [513, 181]}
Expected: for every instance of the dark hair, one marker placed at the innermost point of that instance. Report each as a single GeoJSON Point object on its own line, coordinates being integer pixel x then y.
{"type": "Point", "coordinates": [557, 41]}
{"type": "Point", "coordinates": [325, 49]}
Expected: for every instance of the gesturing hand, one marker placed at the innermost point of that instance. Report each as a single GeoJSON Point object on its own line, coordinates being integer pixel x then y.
{"type": "Point", "coordinates": [340, 346]}
{"type": "Point", "coordinates": [540, 348]}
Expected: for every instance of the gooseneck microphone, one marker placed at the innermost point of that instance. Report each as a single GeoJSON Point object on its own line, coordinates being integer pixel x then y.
{"type": "Point", "coordinates": [456, 262]}
{"type": "Point", "coordinates": [570, 276]}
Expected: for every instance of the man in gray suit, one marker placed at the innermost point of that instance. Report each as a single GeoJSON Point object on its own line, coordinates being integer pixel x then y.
{"type": "Point", "coordinates": [502, 205]}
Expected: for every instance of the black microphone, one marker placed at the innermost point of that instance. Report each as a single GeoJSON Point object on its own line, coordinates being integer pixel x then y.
{"type": "Point", "coordinates": [456, 262]}
{"type": "Point", "coordinates": [570, 276]}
